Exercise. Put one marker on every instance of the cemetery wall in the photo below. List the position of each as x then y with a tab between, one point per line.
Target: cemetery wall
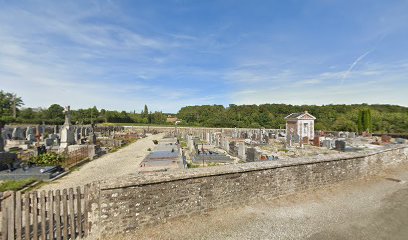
131	203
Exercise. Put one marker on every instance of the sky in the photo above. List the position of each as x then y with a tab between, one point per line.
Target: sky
121	55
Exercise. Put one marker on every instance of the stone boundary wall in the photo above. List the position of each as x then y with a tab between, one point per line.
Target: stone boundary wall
131	203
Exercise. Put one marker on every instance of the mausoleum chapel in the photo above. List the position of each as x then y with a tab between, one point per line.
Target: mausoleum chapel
300	125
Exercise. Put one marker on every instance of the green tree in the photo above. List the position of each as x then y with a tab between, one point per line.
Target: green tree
55	111
364	120
145	111
6	103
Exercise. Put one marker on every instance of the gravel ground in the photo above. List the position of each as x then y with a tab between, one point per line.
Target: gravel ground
112	165
375	208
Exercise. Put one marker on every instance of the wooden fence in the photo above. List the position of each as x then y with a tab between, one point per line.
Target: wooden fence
45	215
76	156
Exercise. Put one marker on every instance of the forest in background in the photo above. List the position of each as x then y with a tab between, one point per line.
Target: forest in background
340	117
54	114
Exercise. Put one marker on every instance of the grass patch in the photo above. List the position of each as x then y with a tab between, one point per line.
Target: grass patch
212	164
15	185
192	165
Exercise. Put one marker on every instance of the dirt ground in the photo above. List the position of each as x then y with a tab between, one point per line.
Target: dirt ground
375	208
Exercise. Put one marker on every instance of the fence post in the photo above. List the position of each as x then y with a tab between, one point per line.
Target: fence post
91	208
35	215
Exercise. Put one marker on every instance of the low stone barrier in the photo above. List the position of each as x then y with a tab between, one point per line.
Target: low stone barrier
131	203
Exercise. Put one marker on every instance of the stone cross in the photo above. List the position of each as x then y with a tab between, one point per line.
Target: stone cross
67	112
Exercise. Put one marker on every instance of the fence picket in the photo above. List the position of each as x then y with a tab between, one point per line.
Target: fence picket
50	215
18	219
27	228
4	220
43	216
79	212
85	226
72	212
35	215
58	213
65	214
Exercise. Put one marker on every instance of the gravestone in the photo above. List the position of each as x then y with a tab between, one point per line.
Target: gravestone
49	142
56	129
250	154
326	144
316	141
77	135
385	139
226	145
17	134
340	145
30	137
92	138
241	150
67	133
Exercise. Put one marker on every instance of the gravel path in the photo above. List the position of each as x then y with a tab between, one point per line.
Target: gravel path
375	208
123	162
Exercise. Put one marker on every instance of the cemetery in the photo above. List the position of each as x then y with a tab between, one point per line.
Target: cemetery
164	156
158	167
46	152
299	139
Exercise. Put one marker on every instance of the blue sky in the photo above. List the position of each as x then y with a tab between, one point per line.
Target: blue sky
169	54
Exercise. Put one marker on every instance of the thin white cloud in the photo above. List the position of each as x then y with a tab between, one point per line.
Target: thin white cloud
320	89
353	65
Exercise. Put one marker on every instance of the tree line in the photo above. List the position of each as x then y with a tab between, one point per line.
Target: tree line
54	114
378	118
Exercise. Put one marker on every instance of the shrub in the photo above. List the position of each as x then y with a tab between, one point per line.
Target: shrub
47	159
